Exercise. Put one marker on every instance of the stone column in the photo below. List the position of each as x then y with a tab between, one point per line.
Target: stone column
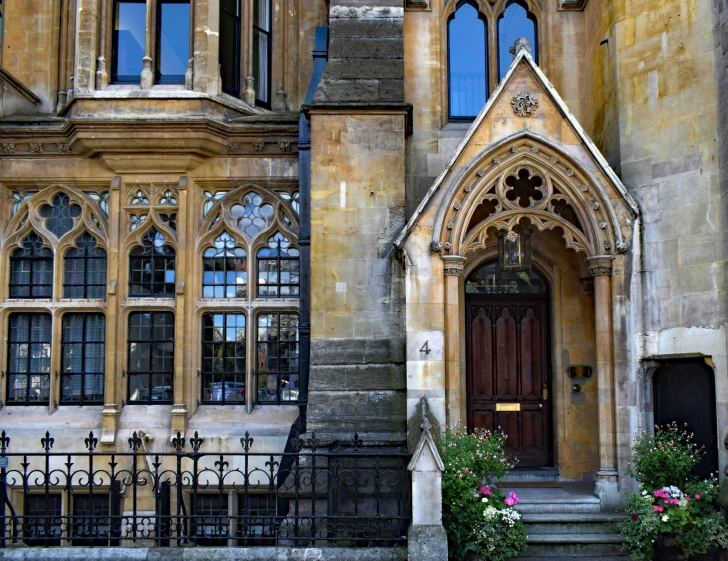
606	488
455	407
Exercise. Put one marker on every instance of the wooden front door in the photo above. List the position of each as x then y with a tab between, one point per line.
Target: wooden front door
508	382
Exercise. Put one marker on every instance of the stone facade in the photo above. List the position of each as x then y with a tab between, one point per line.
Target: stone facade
623	118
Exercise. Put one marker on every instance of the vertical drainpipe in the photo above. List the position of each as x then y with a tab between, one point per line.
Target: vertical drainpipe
320	55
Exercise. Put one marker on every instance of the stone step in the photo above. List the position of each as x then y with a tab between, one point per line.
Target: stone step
530	474
573	523
576	545
526	557
582	504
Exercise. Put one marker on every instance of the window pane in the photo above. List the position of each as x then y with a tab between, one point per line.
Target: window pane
42	525
467	63
223	358
174	41
82	359
150	357
29	359
129	41
514	24
230	46
277	357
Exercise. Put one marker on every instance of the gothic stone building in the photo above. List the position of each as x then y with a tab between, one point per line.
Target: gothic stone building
231	216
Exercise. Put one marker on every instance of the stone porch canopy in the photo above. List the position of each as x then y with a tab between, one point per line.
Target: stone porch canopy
525	124
525	157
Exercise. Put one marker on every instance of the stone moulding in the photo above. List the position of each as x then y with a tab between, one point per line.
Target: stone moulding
572	5
525	104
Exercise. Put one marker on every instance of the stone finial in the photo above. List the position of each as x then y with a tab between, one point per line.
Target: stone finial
521	43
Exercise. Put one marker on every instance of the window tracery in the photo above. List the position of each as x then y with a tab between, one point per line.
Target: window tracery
224	267
524	180
278	268
60	215
84	269
152	267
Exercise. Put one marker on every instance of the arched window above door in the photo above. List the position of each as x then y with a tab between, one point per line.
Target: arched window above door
488	279
515	22
467	62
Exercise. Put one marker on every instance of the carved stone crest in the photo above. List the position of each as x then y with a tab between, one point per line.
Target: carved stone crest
525	104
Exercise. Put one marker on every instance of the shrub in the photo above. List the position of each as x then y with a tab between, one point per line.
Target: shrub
670	502
478	518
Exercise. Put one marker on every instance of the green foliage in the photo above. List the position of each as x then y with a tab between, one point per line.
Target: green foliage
671	504
666	458
472	462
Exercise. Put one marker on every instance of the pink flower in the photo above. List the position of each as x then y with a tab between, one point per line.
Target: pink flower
657	508
509	501
485	490
514	499
698	495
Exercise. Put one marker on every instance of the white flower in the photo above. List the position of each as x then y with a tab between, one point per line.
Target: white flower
644	491
485	499
665	518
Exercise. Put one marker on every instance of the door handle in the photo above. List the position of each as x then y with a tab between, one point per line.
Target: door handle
545	392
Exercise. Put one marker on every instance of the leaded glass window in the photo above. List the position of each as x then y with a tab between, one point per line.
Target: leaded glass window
84	269
31	269
253	216
60	214
224	269
150	357
42	523
212	522
223	358
277	357
278	268
91	524
82	359
152	267
258	520
29	359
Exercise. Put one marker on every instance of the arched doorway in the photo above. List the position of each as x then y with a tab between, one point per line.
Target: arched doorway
507	345
685	393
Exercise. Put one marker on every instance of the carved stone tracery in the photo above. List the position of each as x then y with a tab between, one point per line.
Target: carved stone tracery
529	180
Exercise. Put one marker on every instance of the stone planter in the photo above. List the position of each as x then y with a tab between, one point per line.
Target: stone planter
665	550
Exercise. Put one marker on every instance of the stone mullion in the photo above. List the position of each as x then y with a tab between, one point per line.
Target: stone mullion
102	73
182	372
601	268
206	74
147	77
88	14
246	57
455	407
113	381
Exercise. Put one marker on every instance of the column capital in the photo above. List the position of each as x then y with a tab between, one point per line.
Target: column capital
454	265
600	265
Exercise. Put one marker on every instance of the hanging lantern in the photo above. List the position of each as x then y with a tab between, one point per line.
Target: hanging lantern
514	249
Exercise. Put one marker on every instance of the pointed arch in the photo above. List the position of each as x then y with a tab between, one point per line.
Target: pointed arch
31	214
597	229
221	217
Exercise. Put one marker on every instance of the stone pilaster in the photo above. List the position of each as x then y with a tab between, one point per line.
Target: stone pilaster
607	487
456	409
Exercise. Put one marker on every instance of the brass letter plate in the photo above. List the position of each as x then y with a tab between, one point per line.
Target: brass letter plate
507	406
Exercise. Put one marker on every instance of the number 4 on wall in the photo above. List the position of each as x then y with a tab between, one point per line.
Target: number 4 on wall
426	348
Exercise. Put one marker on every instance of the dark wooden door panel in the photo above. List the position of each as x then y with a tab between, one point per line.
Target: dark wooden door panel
507	364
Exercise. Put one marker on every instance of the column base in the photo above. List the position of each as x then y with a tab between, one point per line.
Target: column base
426	543
607	489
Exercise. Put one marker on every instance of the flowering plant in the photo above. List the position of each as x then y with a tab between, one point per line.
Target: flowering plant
670	503
478	518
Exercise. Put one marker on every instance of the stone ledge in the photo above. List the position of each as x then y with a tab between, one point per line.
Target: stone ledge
203	554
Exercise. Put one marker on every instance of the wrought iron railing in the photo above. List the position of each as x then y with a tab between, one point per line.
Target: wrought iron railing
345	494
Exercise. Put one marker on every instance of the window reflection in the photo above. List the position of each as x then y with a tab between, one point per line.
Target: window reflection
128	40
230	46
514	23
261	50
467	63
173	41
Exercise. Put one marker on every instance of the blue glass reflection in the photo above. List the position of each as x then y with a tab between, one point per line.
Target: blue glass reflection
513	25
174	42
129	36
467	63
